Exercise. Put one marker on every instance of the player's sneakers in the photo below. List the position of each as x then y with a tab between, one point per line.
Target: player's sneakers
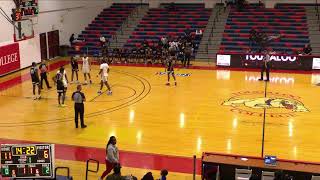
109	93
77	82
99	92
63	105
39	97
71	82
85	83
34	97
175	83
168	84
90	82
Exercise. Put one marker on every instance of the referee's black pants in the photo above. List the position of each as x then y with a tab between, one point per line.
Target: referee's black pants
267	69
44	77
78	109
187	58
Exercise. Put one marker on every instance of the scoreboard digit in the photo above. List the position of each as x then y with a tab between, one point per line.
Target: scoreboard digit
27	160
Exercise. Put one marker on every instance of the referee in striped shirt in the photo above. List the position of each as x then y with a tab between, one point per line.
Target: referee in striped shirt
78	98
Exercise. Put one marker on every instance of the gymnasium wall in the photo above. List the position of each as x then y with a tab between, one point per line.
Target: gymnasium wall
68	17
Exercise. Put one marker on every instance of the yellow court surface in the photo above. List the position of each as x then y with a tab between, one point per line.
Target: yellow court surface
208	111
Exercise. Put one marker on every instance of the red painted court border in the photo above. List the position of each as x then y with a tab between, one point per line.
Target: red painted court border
131	159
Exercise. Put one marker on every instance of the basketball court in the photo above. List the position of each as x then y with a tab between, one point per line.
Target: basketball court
211	110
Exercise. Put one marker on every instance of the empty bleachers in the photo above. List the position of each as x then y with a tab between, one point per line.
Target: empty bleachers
105	24
289	21
164	21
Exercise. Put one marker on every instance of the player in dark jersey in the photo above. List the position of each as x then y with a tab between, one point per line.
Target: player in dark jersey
34	73
170	70
61	90
75	69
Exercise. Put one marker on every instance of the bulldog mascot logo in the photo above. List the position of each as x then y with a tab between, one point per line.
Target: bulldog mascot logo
260	103
277	104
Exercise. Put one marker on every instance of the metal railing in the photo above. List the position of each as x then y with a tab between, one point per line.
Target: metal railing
317	13
215	20
66	168
89	170
194	166
132	16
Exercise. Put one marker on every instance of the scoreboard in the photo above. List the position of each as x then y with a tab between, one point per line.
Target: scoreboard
27	160
25	9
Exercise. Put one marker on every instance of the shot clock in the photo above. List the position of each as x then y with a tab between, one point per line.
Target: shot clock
27	160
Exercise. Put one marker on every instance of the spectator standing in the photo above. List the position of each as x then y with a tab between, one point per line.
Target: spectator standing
307	49
112	158
43	74
164	41
78	97
102	41
188	54
71	39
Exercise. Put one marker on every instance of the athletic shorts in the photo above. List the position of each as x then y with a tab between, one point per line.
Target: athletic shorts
35	81
60	89
170	72
86	70
104	78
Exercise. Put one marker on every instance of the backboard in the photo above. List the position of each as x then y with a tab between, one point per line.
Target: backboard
23	30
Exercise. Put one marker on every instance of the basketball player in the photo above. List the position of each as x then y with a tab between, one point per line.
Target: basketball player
170	70
75	69
35	81
62	84
266	65
86	69
104	73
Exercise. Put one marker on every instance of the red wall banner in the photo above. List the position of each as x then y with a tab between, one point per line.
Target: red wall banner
9	58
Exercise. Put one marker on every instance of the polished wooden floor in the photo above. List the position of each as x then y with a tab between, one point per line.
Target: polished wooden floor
209	110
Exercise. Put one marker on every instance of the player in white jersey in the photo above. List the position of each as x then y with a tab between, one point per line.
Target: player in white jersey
86	69
104	73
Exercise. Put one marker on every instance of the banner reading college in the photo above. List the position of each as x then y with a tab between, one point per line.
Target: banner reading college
9	58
